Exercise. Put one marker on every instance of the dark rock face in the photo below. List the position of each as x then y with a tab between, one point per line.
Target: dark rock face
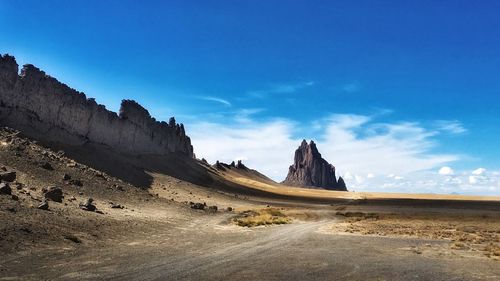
312	171
46	109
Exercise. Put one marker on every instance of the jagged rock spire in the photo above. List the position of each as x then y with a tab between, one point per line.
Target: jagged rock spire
311	170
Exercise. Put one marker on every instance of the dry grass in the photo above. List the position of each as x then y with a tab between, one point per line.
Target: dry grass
476	234
268	216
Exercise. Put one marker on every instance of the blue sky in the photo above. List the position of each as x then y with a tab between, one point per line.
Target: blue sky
419	76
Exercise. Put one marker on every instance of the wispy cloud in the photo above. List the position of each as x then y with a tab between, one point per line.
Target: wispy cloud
450	126
215	99
282	88
351	87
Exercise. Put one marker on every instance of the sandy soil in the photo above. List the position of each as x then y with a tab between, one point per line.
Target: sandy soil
157	236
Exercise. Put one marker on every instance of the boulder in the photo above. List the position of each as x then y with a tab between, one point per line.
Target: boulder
5	188
47	166
88	206
8	176
44	205
54	193
198	206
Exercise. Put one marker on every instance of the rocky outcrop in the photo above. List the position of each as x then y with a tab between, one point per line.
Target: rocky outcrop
312	171
44	108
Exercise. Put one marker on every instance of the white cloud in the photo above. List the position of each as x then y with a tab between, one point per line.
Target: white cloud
446	171
473	180
355	144
450	126
216	99
479	171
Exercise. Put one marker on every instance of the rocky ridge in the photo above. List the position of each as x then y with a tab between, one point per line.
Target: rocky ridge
44	108
312	171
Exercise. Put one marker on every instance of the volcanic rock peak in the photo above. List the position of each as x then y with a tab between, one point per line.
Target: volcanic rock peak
311	170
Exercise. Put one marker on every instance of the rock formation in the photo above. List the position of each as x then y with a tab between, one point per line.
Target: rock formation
46	109
312	171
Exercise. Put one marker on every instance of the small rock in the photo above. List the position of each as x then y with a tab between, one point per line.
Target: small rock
72	198
88	206
47	166
76	182
72	238
213	208
71	165
5	188
66	177
198	206
116	206
80	193
54	193
44	205
8	176
15	197
229	209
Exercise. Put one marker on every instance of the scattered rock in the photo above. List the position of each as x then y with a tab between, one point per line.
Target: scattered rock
8	176
25	230
88	206
44	205
5	188
47	166
198	206
116	206
76	182
54	193
72	238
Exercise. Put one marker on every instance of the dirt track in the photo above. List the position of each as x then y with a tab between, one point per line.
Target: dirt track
207	248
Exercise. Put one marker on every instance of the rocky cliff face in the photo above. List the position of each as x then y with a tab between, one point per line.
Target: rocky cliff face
44	108
312	171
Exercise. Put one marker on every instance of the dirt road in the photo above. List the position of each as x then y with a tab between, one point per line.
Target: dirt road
207	248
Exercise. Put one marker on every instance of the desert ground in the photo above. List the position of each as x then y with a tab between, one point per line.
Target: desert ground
145	226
